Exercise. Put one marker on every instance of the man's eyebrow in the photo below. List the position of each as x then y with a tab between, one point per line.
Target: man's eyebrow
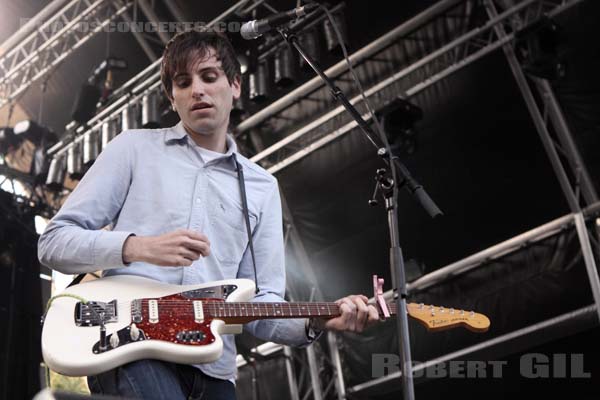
211	68
201	70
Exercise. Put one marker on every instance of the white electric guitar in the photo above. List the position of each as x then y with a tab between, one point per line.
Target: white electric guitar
99	325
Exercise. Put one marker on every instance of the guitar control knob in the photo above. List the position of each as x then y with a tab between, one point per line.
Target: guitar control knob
114	340
134	332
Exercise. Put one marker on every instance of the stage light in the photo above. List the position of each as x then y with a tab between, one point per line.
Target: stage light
91	147
37	134
244	63
56	174
129	117
103	75
538	49
39	164
75	161
259	82
331	38
150	110
110	129
84	106
286	71
398	120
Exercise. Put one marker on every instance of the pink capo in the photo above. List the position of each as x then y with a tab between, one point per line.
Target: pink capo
378	294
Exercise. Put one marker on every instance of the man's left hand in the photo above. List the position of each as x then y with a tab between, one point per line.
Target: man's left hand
356	315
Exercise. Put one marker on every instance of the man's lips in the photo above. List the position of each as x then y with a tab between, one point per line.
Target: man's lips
199	106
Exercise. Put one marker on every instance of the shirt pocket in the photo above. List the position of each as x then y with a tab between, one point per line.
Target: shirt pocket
229	238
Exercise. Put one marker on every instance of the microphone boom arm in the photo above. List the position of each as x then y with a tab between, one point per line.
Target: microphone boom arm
405	178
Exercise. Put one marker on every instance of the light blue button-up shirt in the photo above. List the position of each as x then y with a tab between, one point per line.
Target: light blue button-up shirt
150	182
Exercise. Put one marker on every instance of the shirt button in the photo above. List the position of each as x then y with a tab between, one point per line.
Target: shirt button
198	200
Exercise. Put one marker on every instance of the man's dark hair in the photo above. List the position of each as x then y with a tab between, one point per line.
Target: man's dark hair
186	47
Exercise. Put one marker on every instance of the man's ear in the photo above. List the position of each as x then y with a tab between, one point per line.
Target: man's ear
236	87
170	97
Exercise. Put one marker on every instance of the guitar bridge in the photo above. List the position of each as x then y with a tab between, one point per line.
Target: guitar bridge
91	313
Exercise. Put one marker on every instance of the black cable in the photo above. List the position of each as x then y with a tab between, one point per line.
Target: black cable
378	126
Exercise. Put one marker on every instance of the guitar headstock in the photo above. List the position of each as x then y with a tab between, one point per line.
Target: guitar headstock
437	318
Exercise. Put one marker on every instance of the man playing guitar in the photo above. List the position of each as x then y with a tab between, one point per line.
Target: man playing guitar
181	203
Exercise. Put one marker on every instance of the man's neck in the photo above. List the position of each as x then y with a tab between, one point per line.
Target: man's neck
215	142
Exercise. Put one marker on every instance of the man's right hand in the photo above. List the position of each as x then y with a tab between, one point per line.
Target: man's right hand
179	248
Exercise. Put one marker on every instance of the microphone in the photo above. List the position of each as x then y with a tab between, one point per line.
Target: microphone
253	29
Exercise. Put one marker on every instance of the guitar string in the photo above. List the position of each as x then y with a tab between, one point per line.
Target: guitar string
250	305
209	304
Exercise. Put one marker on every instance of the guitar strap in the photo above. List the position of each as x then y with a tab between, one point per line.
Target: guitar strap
77	279
240	172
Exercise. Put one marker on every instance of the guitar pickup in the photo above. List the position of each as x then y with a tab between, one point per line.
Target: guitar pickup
93	313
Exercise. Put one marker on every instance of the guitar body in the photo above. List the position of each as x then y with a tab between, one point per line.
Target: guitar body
146	322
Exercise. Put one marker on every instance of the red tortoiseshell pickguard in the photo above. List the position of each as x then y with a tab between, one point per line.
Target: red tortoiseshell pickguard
176	314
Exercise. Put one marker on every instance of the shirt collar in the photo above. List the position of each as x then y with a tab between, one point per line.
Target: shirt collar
178	132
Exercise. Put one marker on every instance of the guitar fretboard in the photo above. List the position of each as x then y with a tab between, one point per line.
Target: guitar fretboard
238	312
276	310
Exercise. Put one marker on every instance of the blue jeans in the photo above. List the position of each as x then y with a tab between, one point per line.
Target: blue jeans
152	379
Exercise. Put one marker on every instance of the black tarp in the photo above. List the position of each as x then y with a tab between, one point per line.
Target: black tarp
20	302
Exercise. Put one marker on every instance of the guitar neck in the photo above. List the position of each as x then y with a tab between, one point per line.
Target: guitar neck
245	312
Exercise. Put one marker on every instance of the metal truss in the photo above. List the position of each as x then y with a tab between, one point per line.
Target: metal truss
466	40
146	81
50	43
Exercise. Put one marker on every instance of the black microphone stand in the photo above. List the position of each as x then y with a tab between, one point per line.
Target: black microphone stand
389	189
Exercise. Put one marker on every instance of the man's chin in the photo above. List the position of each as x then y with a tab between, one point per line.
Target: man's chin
200	129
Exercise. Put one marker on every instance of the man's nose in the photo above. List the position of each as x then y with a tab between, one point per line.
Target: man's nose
198	87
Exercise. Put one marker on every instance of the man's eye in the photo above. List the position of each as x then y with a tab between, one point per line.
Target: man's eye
210	77
182	82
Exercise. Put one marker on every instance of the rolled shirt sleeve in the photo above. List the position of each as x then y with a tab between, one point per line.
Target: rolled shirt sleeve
74	241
